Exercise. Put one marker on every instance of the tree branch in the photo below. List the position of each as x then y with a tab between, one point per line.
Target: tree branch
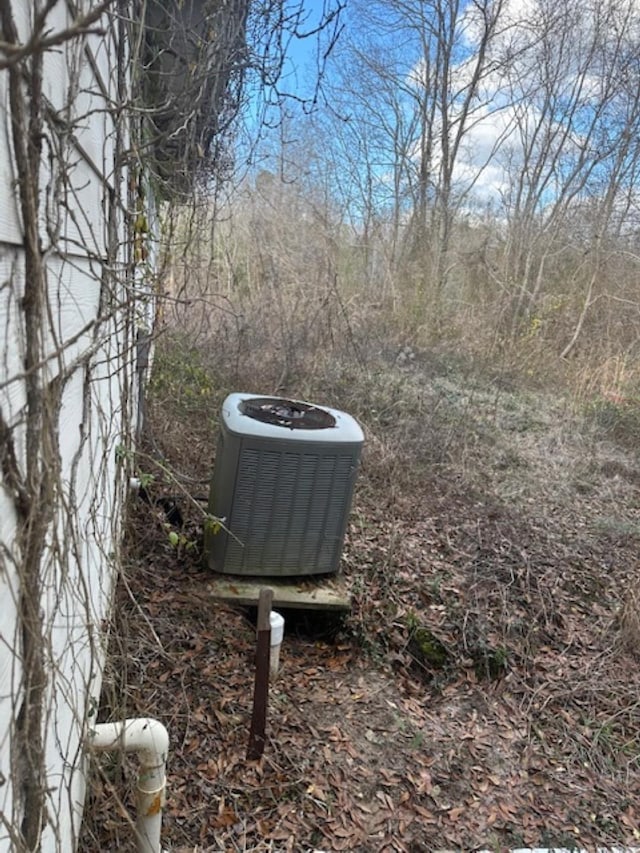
11	470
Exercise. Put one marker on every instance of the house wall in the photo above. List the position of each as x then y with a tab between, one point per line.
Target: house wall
89	333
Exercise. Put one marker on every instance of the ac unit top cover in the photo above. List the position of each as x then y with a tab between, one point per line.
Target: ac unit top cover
291	420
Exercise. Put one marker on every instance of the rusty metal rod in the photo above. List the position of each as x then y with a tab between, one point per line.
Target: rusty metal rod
261	685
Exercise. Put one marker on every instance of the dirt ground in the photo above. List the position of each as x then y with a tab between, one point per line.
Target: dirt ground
483	693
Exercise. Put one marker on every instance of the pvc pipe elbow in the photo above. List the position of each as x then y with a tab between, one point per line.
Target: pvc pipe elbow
149	739
145	736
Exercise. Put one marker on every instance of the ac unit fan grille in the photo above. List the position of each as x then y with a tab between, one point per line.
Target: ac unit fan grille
289	511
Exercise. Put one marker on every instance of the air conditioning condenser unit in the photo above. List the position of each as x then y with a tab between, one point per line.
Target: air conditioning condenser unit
282	486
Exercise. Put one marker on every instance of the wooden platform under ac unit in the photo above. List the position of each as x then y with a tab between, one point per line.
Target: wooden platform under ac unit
313	593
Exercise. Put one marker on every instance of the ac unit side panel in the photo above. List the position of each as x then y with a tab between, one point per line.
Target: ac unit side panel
221	496
289	508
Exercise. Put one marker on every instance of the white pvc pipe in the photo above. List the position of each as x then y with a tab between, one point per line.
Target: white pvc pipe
276	621
150	740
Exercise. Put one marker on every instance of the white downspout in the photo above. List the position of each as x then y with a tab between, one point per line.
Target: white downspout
150	740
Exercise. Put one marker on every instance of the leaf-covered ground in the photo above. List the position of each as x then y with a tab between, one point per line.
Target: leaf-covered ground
484	691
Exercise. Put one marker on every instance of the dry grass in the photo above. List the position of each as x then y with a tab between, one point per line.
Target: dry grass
629	624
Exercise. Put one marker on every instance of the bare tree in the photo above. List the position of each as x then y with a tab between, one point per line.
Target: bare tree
418	72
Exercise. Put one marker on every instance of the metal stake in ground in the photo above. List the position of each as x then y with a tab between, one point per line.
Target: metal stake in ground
261	686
